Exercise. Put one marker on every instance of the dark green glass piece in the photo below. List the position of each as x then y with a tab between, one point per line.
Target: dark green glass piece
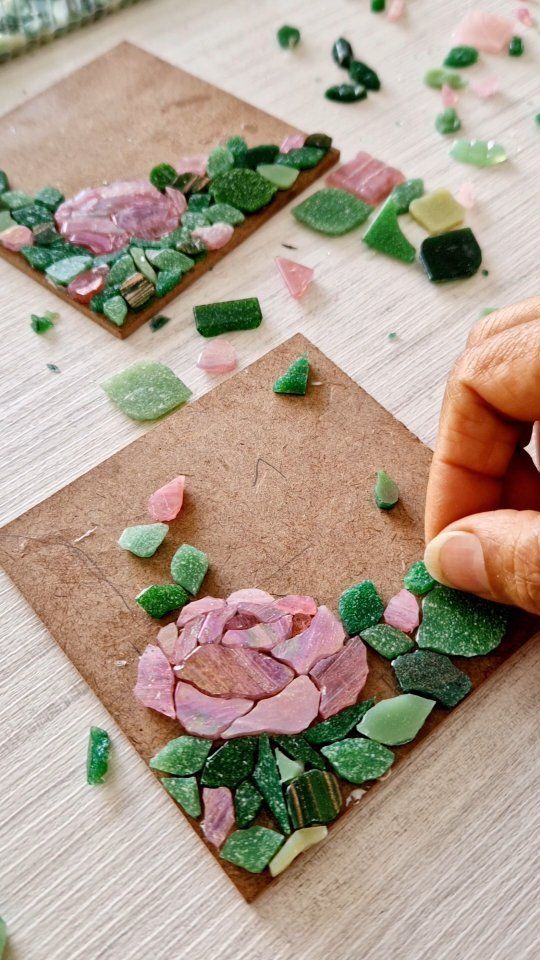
45	234
252	849
418	580
199	201
182	756
360	607
338	726
461	57
163	175
185	791
295	379
231	763
162	598
31	215
38	257
244	189
460	624
377	6
451	256
360	73
238	148
346	93
516	47
358	760
42	324
386	640
432	674
342	52
156	323
447	121
319	140
298	748
386	491
265	153
313	797
288	37
167	280
53	368
212	319
301	158
266	776
50	197
247	803
4	182
97	759
14	199
404	194
332	211
384	234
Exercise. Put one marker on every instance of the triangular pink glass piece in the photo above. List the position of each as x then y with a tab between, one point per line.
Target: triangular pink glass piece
297	277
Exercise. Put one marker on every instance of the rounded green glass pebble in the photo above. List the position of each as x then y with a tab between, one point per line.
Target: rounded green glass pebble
220	160
332	211
460	624
358	760
397	720
346	93
146	390
516	47
162	598
244	189
387	641
461	57
42	324
384	235
158	322
360	607
182	756
447	121
189	567
115	309
282	177
144	539
288	37
377	6
439	78
479	153
224	213
301	158
386	491
360	73
185	791
65	270
252	849
163	175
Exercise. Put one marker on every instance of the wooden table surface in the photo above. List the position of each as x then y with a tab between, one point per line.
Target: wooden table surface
442	863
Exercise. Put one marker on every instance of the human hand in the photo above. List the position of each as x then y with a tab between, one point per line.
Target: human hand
483	498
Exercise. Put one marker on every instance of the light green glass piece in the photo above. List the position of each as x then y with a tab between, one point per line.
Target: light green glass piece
439	78
447	121
115	309
3	937
336	727
224	213
189	567
120	270
185	791
220	160
332	211
142	264
14	199
6	221
192	219
297	843
437	212
387	641
460	624
288	769
386	491
170	260
146	390
182	757
384	235
143	540
252	849
282	177
64	271
358	760
404	193
479	153
397	720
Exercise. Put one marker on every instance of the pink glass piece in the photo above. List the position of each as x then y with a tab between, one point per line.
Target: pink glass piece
194	164
297	277
241	621
341	678
323	637
177	199
265	613
465	195
187	640
403	612
87	284
250	595
166	503
197	607
525	17
155	681
234	672
16	237
214	236
396	10
205	716
218	356
487	32
166	639
295	604
218	814
98	235
263	636
289	712
485	88
293	141
449	97
366	178
214	624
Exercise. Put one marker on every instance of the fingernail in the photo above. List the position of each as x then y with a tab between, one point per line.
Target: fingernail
457	560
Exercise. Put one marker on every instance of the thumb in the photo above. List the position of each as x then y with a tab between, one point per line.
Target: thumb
496	555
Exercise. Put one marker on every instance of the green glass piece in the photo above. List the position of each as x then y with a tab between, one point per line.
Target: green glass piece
346	93
282	177
299	841
97	758
166	259
4	182
342	53
437	212
163	175
295	379
432	675
7	221
516	47
45	234
167	280
451	256
14	199
109	258
53	368
288	37
360	73
266	776
193	219
537	119
182	756
220	160
301	158
386	491
185	243
162	598
384	234
231	764
439	78
360	607
44	323
224	213
139	258
244	189
338	726
358	760
247	803
447	121
397	720
189	567
418	580
50	197
65	270
460	624
388	641
461	57
332	211
31	215
377	6
146	390
144	539
252	849
185	791
98	302
297	746
320	140
120	270
199	201
115	309
3	925
314	797
265	153
156	323
479	153
38	257
212	319
288	769
238	148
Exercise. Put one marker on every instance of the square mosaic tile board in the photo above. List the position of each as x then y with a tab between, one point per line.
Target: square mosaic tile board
279	495
116	118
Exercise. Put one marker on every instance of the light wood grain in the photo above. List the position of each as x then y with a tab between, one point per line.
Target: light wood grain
447	866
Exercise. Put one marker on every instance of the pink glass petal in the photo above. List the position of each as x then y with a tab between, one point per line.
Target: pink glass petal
396	10
218	356
289	712
263	636
194	164
366	178
341	678
295	604
485	88
265	613
403	612
234	672
241	621
323	637
525	17
87	284
187	640
155	681
214	624
197	607
487	32
204	716
250	595
177	199
218	815
166	639
166	503
215	236
449	97
465	195
293	141
297	277
16	237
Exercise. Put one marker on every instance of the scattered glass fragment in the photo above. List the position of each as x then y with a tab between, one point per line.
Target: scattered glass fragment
480	153
115	309
212	319
218	815
438	78
97	761
144	539
346	93
461	57
358	760
460	624
378	6
288	37
332	211
159	321
166	503
252	849
281	176
288	769
385	235
360	607
155	681
182	756
44	323
366	177
397	720
388	641
447	121
296	844
146	390
405	193
418	580
160	599
395	10
266	776
299	748
218	356
198	713
162	176
516	47
525	16
303	158
386	491
219	161
53	368
437	211
487	32
360	73
342	52
287	712
485	87
185	791
338	726
295	379
230	764
224	213
465	195
215	236
432	675
189	567
244	189
537	119
293	141
247	803
402	612
449	97
296	276
392	336
451	256
234	672
313	797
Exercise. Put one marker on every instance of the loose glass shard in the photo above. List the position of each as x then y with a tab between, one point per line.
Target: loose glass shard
160	599
460	57
189	567
146	390
386	491
97	761
143	540
332	211
451	256
418	580
295	379
288	37
479	153
212	319
447	121
437	211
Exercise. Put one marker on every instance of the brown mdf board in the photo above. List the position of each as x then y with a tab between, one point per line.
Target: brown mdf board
115	119
279	495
